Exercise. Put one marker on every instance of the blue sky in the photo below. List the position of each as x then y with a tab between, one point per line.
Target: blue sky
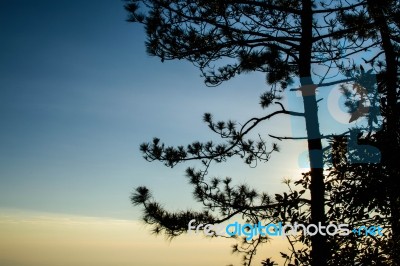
78	96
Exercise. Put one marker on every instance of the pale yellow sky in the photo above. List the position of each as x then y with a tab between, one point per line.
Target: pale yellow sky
44	239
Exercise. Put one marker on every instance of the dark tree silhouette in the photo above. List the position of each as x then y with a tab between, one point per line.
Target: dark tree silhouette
385	15
368	194
376	188
283	39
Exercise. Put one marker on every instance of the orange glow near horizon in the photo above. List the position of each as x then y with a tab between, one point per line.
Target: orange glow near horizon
60	240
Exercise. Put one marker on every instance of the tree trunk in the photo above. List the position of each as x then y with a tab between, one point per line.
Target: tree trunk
391	139
319	252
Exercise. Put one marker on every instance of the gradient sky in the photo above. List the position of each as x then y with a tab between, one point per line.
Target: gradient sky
78	95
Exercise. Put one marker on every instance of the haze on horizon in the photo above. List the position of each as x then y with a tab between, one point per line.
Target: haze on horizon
78	97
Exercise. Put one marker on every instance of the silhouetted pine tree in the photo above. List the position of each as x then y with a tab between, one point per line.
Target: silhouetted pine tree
285	40
377	188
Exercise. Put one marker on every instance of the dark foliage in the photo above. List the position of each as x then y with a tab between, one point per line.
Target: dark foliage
285	40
